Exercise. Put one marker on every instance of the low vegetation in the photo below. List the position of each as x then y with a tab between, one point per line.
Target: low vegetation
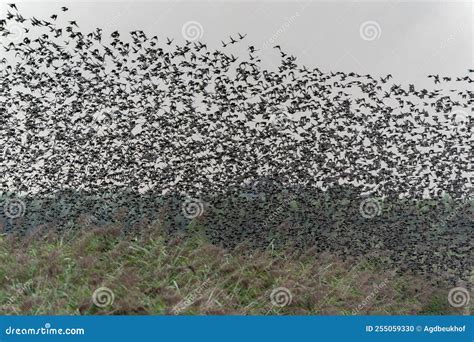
154	274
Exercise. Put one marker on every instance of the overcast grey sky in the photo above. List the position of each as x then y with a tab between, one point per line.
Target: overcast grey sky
408	39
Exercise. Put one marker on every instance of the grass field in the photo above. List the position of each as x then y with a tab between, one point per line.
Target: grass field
100	271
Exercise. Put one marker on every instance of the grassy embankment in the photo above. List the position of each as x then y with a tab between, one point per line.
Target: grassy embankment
150	275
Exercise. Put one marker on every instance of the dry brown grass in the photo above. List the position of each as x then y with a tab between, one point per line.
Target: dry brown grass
148	275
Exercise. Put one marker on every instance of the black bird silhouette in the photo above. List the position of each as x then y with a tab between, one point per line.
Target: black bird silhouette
153	122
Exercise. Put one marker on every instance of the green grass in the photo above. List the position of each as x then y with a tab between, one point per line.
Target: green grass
57	275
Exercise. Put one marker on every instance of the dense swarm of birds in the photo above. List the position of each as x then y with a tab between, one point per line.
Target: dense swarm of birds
88	115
